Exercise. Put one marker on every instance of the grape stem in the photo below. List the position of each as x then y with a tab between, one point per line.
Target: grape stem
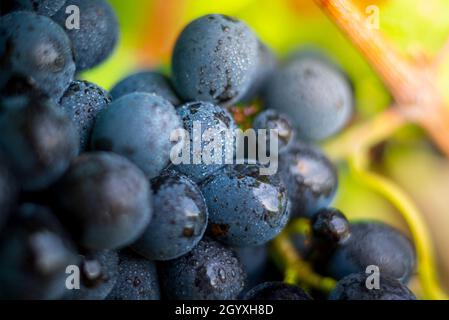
298	271
360	137
413	87
413	217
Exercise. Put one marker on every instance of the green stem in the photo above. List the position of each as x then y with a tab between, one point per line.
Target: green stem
296	269
364	135
413	217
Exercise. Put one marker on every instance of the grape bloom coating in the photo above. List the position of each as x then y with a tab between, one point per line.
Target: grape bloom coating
215	59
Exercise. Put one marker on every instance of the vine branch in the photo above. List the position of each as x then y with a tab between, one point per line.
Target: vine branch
442	56
364	135
413	88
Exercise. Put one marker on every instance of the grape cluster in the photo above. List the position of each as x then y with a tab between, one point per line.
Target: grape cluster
88	181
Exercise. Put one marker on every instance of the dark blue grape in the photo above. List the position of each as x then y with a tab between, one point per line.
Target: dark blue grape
310	178
179	219
8	191
99	272
146	81
266	67
97	35
209	117
209	272
330	225
374	244
34	46
314	94
82	102
137	280
258	266
138	126
276	291
105	200
17	89
34	255
39	141
272	120
255	263
310	52
353	287
42	7
330	229
245	207
215	59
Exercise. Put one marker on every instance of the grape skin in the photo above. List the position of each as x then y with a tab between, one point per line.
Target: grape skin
316	96
353	287
276	291
138	126
372	243
34	46
330	225
215	59
98	34
42	7
310	178
209	272
8	191
39	141
267	65
105	200
137	279
95	286
211	117
245	208
179	219
146	81
34	254
255	262
83	101
272	120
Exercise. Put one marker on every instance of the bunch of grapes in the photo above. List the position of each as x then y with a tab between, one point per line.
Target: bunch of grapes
86	181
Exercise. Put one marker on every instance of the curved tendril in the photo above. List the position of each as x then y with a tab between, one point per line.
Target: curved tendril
424	247
296	269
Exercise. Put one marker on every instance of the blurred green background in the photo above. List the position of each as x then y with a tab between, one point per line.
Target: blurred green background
419	28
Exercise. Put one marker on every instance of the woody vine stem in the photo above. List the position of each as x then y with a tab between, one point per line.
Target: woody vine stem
417	99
